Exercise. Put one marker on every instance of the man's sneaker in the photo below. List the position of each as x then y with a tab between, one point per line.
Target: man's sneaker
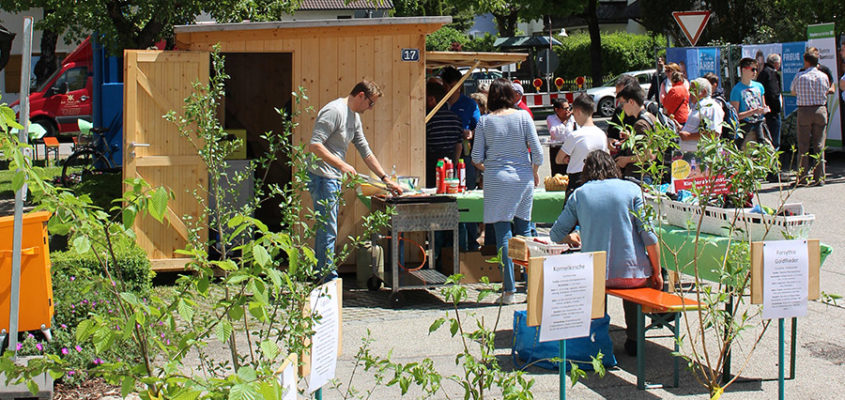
507	298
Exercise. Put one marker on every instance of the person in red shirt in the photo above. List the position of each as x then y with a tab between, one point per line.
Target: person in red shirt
676	102
519	100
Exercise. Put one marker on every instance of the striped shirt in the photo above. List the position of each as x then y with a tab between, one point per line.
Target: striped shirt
508	146
443	130
810	87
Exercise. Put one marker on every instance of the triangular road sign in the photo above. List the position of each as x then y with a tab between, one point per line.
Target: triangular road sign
692	23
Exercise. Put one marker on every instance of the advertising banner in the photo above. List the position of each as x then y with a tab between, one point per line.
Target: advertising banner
695	61
792	62
688	172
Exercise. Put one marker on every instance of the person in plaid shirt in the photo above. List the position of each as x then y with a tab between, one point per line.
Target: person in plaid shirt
810	87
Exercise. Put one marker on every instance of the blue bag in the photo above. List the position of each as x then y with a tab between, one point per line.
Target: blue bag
527	347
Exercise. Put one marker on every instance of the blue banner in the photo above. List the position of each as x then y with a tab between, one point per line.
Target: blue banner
792	62
695	61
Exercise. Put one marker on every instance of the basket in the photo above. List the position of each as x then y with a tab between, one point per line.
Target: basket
550	187
717	220
523	248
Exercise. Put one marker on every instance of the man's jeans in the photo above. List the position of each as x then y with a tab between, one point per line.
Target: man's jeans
324	193
503	234
773	122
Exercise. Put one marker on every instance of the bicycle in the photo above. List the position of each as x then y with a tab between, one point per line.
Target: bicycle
92	155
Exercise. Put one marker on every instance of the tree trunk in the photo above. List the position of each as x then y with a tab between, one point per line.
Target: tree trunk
595	41
48	63
506	23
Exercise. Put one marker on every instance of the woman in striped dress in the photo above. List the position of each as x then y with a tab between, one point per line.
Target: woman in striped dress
508	150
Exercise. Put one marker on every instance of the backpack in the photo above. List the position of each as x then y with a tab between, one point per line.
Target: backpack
662	118
731	118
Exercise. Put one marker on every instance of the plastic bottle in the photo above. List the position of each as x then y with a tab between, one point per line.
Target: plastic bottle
462	175
441	177
450	169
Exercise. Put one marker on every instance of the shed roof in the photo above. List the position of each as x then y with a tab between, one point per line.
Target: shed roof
524	42
437	59
342	5
317	23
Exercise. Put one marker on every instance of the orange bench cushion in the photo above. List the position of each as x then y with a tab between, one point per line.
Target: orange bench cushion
654	300
51	142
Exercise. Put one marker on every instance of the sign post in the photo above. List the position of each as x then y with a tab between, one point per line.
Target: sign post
692	23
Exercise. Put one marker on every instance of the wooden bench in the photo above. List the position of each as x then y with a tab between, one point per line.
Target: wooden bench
666	309
51	145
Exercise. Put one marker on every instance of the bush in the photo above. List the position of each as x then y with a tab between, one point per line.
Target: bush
620	52
444	38
101	188
132	266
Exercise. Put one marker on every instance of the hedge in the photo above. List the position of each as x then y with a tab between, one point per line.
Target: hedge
620	52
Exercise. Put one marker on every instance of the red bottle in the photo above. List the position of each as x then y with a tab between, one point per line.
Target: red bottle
462	175
450	169
441	177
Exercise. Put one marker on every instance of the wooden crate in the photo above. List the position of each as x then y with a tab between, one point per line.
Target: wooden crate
474	266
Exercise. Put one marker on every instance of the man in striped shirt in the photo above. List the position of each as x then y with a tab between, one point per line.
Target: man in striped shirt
810	87
443	132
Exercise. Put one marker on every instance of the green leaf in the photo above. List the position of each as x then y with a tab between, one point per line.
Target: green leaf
203	285
32	386
129	214
236	313
223	330
157	206
18	179
270	349
81	244
188	395
262	257
84	330
127	386
243	391
454	327
247	374
185	310
436	325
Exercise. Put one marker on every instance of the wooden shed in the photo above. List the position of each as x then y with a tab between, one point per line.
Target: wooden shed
266	62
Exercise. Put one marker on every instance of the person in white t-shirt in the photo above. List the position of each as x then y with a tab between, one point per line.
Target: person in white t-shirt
561	124
581	142
705	118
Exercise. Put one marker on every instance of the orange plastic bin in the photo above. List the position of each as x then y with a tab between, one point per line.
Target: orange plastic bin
36	294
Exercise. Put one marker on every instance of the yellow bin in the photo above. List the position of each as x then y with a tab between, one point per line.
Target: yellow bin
36	293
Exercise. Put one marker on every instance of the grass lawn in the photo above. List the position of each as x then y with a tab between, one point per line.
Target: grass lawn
6	190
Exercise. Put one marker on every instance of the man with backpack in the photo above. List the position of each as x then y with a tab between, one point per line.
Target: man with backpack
731	119
705	118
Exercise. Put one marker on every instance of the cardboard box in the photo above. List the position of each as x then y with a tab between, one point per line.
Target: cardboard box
474	265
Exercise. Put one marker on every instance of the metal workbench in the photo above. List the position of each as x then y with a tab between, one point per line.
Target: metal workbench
414	214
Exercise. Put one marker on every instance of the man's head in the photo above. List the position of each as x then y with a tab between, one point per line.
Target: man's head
434	91
811	57
582	108
364	96
562	108
625	80
700	88
631	98
660	64
451	76
774	61
714	81
747	68
519	92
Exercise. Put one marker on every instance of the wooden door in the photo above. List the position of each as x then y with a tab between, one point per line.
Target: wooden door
157	82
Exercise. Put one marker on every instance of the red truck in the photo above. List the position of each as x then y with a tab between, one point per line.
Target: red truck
66	96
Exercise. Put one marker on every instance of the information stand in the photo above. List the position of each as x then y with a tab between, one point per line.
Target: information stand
784	277
558	281
319	364
288	378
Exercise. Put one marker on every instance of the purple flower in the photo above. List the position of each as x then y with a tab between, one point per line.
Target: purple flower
64	326
39	346
85	301
72	278
78	348
72	306
168	342
19	346
71	372
65	350
93	303
98	361
29	335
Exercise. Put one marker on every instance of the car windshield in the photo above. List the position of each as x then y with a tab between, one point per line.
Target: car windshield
43	86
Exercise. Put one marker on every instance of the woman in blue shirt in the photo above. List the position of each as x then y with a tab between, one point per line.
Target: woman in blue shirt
606	208
508	150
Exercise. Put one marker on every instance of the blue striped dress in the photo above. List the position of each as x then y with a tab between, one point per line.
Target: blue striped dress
501	144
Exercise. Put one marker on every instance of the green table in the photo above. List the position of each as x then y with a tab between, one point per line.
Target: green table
711	251
547	205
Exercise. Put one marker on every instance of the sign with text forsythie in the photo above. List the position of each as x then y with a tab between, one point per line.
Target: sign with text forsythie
792	270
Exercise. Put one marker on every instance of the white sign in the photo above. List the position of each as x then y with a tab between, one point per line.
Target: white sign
785	278
287	380
567	296
326	336
692	23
